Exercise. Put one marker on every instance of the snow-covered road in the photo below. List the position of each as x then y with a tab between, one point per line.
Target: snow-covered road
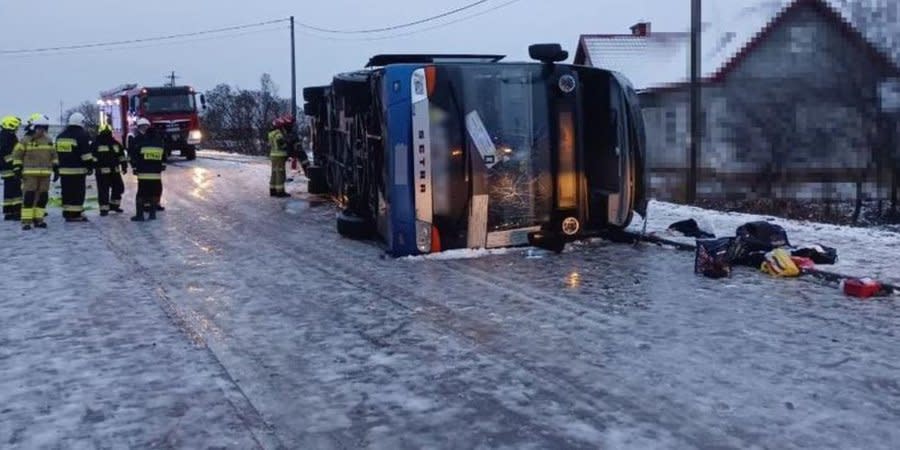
241	321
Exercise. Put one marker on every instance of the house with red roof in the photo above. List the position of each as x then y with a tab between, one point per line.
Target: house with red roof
793	104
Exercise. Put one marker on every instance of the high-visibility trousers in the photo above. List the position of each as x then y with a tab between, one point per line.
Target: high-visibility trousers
12	195
279	174
73	192
110	188
34	199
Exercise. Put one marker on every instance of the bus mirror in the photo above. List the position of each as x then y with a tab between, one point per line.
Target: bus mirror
547	53
202	101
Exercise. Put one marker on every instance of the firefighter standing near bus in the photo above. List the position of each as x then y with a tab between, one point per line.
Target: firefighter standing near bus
75	163
12	183
35	159
146	153
109	156
284	143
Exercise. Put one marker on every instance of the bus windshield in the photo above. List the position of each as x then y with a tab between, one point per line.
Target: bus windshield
496	117
169	103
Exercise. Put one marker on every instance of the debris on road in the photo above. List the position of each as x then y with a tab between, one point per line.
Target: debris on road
691	228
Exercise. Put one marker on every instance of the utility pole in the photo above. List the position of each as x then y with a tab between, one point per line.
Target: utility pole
62	120
696	104
293	73
171	78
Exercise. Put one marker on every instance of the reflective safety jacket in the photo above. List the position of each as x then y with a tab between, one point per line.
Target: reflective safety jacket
74	148
108	154
277	144
283	145
147	154
36	156
8	142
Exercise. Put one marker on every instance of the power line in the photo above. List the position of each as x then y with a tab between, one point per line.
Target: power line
138	41
97	51
398	26
414	32
179	38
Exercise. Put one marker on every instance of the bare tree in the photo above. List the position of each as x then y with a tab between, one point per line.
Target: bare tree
239	119
91	113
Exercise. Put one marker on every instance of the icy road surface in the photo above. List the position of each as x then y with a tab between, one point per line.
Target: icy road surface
240	321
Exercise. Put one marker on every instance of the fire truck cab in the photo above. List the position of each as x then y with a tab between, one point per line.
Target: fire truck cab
171	109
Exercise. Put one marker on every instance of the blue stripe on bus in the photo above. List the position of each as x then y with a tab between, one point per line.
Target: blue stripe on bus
396	96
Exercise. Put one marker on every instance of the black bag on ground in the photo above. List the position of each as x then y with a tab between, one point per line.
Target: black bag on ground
819	254
691	228
712	257
754	240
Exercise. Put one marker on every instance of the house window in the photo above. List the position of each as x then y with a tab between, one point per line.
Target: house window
802	37
671	127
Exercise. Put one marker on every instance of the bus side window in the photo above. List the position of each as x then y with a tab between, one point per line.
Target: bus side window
133	104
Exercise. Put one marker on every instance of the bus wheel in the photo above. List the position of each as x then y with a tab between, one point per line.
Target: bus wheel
190	154
317	183
352	226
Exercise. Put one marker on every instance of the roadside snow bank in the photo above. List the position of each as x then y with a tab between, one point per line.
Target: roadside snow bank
468	253
861	251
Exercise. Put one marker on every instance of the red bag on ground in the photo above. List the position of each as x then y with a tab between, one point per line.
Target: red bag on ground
862	287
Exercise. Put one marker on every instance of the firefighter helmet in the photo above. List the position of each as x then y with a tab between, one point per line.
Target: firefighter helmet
76	119
11	123
35	117
39	120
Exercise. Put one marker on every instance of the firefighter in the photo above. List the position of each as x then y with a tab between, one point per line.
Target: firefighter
109	157
29	126
34	159
146	154
75	163
12	184
283	143
278	155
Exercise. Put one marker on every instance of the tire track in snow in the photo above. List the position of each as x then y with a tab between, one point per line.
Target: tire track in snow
187	320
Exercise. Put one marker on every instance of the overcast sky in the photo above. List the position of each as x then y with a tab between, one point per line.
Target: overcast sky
39	83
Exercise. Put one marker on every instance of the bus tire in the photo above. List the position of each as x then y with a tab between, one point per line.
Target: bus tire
190	154
317	183
352	226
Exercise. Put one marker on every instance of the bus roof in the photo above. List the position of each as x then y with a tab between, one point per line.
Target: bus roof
386	59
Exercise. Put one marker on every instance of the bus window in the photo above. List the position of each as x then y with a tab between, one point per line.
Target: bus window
511	102
490	140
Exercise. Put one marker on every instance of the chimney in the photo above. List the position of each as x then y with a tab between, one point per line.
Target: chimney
641	29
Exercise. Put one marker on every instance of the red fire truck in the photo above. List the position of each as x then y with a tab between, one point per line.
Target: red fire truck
171	109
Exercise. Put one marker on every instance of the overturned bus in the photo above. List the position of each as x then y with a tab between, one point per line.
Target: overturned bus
437	152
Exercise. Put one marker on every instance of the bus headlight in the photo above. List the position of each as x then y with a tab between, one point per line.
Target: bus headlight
423	236
194	137
567	83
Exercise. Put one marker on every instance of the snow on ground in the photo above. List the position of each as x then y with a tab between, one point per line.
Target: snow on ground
861	251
